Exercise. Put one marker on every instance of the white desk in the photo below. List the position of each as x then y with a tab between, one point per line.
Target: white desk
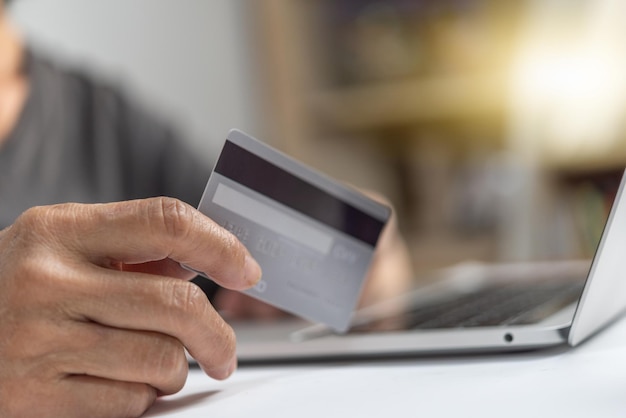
589	382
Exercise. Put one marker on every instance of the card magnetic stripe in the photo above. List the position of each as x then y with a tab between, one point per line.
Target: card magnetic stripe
258	174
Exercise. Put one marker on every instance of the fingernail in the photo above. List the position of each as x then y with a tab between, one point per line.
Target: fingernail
252	270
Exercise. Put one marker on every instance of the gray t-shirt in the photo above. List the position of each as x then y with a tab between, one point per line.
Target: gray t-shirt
81	140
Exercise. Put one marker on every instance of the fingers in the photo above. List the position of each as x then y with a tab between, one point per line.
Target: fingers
391	270
127	356
174	307
149	230
79	397
88	396
69	347
87	370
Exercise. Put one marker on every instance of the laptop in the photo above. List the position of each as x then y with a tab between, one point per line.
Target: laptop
468	308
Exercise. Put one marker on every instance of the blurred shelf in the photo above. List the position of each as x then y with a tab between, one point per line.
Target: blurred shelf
446	99
588	158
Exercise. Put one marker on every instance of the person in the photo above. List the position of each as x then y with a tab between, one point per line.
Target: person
97	204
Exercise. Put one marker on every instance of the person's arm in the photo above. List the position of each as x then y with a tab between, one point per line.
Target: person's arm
95	312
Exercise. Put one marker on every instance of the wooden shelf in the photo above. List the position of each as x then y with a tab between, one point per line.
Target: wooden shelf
588	158
414	101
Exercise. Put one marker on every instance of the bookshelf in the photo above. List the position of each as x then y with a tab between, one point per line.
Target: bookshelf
418	93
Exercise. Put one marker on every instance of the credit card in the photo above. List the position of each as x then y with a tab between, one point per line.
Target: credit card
313	236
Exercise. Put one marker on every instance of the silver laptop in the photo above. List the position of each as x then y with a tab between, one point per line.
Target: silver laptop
469	308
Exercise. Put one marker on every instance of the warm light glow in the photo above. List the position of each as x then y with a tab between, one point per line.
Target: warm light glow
568	76
571	89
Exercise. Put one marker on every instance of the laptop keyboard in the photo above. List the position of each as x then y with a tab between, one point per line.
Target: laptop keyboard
514	304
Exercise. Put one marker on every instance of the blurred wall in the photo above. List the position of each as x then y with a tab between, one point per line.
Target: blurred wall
187	59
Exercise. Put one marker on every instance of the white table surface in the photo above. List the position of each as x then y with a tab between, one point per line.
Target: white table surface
588	381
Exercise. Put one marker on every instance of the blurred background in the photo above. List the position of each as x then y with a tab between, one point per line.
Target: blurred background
495	127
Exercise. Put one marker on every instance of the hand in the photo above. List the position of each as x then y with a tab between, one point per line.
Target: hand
391	272
94	316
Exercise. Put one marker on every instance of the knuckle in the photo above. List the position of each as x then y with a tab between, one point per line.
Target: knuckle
191	308
222	342
34	277
231	247
32	215
143	396
176	216
51	226
230	341
186	299
171	354
171	363
39	219
228	252
226	343
27	225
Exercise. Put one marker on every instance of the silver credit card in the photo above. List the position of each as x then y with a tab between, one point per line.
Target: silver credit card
313	236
